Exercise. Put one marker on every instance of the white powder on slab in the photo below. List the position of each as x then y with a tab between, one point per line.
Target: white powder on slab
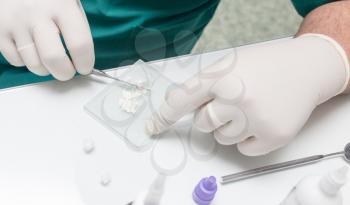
132	98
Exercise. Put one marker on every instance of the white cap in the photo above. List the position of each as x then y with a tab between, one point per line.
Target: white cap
154	194
333	181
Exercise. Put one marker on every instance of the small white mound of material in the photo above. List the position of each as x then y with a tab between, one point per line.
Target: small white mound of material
132	98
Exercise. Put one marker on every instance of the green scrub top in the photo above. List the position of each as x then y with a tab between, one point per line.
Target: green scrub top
127	30
306	6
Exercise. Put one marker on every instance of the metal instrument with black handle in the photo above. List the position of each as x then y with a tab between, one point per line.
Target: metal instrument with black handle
284	165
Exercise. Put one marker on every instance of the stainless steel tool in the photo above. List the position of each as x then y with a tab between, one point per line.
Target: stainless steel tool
106	75
284	165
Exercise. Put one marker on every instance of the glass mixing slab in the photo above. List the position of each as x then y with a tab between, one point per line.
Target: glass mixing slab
129	123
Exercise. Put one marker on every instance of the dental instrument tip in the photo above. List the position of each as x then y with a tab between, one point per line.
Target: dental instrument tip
102	73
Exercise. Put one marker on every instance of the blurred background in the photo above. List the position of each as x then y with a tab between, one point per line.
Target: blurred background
239	22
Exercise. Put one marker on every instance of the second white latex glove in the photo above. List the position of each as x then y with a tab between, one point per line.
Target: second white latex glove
260	96
30	35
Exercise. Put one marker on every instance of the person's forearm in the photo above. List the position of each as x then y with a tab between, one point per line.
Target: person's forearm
333	20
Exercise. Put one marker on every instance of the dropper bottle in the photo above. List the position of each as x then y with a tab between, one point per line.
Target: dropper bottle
154	194
319	190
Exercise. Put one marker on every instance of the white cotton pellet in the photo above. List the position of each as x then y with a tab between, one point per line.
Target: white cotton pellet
89	146
106	180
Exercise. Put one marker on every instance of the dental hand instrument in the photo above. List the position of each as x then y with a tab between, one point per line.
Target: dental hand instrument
284	165
106	75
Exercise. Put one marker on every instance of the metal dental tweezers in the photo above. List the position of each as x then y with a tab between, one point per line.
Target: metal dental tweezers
105	75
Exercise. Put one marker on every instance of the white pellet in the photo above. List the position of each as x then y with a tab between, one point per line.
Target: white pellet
89	146
106	179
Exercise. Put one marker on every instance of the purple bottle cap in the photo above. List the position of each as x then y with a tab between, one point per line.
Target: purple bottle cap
210	183
205	191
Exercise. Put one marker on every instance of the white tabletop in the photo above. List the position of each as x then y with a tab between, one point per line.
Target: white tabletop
43	128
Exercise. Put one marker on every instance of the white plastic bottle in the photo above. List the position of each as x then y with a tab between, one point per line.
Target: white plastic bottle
319	190
154	194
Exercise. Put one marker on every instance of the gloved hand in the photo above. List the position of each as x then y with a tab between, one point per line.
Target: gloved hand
262	96
30	35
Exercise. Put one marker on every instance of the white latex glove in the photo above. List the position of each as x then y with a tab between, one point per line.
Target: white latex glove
263	98
30	35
